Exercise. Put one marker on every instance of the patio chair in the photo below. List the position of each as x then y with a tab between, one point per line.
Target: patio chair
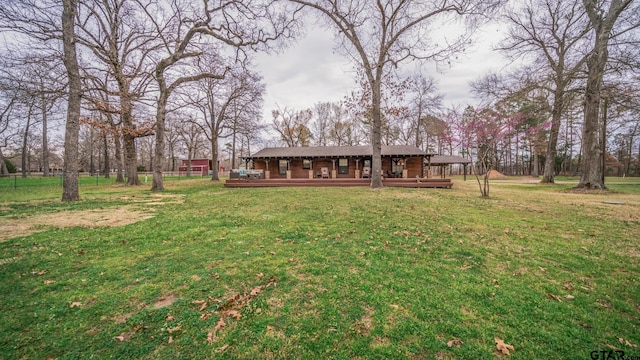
366	172
324	172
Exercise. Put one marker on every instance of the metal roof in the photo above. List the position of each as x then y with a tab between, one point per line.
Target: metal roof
336	151
448	159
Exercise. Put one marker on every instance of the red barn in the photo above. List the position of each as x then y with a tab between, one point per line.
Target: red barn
199	167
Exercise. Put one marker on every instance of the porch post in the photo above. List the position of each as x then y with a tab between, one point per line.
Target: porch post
267	172
357	172
405	172
333	171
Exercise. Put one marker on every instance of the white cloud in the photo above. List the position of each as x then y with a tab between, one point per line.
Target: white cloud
311	71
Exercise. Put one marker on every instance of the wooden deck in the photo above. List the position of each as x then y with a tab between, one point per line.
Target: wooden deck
408	183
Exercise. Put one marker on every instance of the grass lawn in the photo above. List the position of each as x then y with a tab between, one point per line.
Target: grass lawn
201	271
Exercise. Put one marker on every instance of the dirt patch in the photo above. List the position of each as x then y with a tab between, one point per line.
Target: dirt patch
165	301
495	174
14	227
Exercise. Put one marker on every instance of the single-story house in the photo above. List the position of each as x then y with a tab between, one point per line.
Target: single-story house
400	161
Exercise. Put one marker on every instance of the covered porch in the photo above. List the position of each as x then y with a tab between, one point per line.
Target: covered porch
338	162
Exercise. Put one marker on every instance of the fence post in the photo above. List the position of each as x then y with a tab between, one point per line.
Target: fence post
15	182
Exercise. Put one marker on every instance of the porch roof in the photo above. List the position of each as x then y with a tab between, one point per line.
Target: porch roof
438	160
337	151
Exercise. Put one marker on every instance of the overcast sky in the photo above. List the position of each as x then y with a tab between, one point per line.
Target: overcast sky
311	71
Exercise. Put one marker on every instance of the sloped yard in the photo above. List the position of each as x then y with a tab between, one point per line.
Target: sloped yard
204	271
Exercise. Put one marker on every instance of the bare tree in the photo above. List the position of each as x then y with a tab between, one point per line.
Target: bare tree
70	190
237	24
322	111
120	40
49	22
192	139
5	112
382	34
222	103
554	34
603	20
293	126
426	100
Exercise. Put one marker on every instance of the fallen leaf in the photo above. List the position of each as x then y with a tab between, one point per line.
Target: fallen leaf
123	337
222	348
220	324
554	297
172	330
170	339
40	273
542	269
210	337
169	317
627	343
49	282
454	342
196	277
586	326
570	297
205	316
272	252
466	267
502	346
75	303
256	290
203	304
232	313
260	275
567	286
612	347
396	307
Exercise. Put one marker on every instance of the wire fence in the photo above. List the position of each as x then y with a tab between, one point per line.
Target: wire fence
34	180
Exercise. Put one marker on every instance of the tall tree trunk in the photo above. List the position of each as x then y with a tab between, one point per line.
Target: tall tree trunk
92	166
25	137
215	176
129	137
376	137
70	191
3	166
107	167
591	147
45	142
158	184
536	166
556	116
592	151
117	144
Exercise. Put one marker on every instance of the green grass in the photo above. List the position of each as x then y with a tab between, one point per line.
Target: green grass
359	273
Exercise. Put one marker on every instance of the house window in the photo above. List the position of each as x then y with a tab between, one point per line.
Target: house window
343	166
306	164
283	166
